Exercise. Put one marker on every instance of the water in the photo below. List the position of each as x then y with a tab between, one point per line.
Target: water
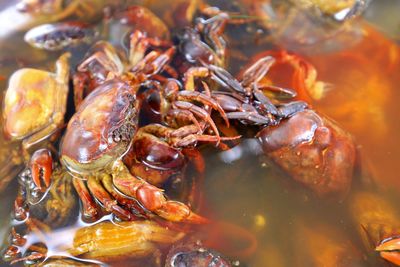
277	222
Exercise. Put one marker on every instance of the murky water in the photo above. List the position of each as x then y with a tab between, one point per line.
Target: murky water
267	218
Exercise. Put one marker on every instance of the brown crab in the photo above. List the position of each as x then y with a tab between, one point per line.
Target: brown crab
102	130
58	9
34	108
30	13
98	135
311	148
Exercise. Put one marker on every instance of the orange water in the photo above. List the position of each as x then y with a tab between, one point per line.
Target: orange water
289	224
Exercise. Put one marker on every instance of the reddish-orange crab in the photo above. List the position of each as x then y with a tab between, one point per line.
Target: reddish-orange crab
98	135
309	147
102	131
314	151
34	108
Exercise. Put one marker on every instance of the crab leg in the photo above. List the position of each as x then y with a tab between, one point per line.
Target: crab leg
88	205
110	204
257	71
238	109
183	100
205	100
186	136
151	197
213	29
33	257
292	108
197	111
191	74
182	115
224	78
276	92
139	43
130	203
137	47
21	212
183	136
154	62
253	118
265	102
192	139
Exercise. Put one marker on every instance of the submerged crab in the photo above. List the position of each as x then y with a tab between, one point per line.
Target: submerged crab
97	143
59	9
311	148
30	13
102	131
34	108
309	25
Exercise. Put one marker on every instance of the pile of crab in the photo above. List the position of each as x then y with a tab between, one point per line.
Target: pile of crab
142	112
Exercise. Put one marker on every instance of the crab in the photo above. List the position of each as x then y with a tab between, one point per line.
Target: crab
308	25
310	147
93	145
34	108
30	13
58	9
102	130
103	62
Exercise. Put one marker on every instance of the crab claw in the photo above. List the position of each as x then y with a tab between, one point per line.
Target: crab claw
41	165
151	197
390	250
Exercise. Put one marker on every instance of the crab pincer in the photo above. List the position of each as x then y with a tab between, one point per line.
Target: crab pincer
41	165
390	250
152	198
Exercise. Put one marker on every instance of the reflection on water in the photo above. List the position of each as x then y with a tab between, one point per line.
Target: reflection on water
244	188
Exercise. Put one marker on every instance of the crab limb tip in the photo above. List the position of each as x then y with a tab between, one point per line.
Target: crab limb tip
178	212
153	199
196	219
393	244
393	257
390	251
41	166
35	170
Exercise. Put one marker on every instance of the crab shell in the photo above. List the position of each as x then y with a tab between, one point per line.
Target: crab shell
102	129
36	101
314	151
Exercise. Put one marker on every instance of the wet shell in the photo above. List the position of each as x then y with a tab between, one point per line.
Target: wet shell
102	128
58	36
